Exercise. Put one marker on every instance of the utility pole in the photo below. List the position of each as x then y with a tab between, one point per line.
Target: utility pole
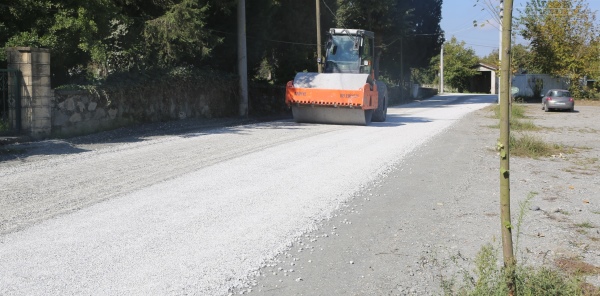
442	70
242	57
503	148
401	69
319	56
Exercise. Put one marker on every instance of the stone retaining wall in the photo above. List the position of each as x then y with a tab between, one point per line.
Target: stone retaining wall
79	112
426	92
83	112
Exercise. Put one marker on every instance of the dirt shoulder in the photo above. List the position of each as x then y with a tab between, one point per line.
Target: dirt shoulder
587	102
562	228
429	216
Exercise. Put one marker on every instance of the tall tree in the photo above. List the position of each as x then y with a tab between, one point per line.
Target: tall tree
562	35
179	35
104	36
284	42
73	30
458	64
407	32
491	59
520	59
424	37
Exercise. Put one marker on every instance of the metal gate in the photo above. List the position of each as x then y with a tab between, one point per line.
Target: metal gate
10	102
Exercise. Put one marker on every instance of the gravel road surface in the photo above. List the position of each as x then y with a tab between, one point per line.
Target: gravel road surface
272	208
431	214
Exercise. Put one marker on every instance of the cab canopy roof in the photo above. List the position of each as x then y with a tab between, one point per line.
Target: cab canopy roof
357	32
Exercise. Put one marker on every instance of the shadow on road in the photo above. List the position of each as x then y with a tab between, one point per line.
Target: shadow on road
189	128
49	147
443	101
186	128
394	120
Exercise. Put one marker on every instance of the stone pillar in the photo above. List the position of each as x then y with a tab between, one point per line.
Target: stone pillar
36	93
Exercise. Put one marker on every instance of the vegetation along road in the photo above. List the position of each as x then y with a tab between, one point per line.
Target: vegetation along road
280	208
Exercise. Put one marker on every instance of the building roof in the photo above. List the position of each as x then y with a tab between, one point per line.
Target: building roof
493	68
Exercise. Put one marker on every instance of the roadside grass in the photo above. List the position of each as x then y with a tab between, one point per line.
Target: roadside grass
574	170
587	130
516	116
586	224
524	144
517	111
519	125
527	145
489	277
586	163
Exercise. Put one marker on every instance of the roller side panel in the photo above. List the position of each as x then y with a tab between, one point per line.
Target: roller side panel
380	114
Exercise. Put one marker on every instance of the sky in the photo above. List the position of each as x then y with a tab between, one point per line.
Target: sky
458	17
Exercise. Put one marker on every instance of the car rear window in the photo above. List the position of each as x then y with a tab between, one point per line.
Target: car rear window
558	93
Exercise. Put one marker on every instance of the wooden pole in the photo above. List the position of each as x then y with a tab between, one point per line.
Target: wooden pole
506	225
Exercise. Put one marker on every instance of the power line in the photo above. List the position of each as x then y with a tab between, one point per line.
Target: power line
264	39
481	45
329	8
470	27
469	23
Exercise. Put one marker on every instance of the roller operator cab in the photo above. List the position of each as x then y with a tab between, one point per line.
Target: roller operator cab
347	92
349	51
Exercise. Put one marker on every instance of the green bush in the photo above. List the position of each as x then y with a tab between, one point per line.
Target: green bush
490	278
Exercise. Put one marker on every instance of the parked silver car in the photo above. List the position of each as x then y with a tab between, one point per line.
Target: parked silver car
558	99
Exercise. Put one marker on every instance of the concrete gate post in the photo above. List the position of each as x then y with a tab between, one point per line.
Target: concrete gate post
36	93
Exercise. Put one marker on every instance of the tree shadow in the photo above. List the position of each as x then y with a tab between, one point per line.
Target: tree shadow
190	128
48	147
445	101
394	120
187	128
